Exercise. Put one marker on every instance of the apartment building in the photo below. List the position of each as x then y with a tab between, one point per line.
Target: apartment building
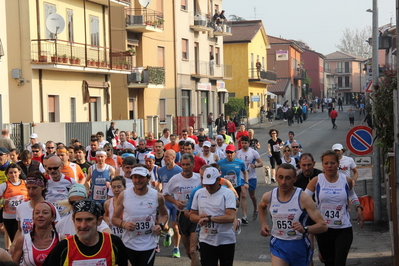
245	50
285	59
345	76
59	60
200	70
313	62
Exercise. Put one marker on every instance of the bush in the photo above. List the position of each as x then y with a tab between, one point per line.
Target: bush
234	105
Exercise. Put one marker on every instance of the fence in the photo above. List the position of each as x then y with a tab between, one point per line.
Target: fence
19	133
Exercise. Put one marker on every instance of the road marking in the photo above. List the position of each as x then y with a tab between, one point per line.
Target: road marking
262	257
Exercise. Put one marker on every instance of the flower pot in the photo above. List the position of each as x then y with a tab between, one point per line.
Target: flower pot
54	59
43	58
77	61
72	61
59	59
65	60
103	64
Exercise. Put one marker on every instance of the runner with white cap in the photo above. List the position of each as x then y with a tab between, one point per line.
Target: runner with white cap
207	155
33	139
139	206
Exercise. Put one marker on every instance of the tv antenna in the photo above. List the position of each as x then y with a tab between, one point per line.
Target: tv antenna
55	23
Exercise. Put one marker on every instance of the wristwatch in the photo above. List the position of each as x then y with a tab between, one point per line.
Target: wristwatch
162	225
306	229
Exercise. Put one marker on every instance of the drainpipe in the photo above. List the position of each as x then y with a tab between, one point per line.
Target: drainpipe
175	60
40	70
85	29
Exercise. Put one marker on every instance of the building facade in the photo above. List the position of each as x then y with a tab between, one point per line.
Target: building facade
345	76
60	59
285	59
313	62
247	51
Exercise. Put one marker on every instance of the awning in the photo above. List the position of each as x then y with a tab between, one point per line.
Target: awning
86	84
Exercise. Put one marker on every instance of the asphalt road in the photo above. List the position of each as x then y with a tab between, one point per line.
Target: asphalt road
316	136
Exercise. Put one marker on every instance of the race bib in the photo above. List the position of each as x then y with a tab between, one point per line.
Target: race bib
276	148
13	202
332	213
210	228
232	179
144	225
116	231
100	193
96	262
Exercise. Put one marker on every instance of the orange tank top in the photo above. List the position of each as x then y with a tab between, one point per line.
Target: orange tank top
105	256
14	196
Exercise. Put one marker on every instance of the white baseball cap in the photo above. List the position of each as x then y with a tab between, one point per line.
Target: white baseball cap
207	144
33	136
210	176
337	146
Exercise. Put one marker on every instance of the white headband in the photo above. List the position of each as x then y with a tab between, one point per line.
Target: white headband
101	152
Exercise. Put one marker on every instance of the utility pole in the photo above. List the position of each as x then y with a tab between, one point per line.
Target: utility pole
376	149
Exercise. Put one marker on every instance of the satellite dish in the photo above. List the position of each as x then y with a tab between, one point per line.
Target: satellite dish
145	3
55	23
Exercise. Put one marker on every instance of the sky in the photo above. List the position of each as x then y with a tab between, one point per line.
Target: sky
319	23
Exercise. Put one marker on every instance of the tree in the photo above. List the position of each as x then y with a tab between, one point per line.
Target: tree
236	18
234	105
354	42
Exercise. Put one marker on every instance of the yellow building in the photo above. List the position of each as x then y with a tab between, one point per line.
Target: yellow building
58	60
246	51
149	91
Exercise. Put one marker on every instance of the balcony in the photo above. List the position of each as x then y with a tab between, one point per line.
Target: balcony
300	74
201	22
116	3
61	55
150	77
144	20
343	87
223	29
262	77
343	70
203	69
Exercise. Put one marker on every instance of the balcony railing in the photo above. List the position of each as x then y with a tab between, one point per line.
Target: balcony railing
205	69
144	19
222	29
300	74
343	70
201	21
58	52
346	86
262	75
148	75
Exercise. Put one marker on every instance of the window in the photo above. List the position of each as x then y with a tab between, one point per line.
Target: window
94	31
53	109
161	56
263	63
159	8
259	99
162	110
210	51
185	103
327	66
250	98
217	56
183	5
70	25
343	82
131	108
73	109
184	49
48	10
94	112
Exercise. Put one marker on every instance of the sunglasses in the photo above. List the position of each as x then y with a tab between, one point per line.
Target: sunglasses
50	148
273	133
53	168
229	152
1	154
213	145
295	147
35	151
287	151
184	134
108	149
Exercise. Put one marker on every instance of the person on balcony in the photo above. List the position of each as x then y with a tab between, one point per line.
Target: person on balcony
258	67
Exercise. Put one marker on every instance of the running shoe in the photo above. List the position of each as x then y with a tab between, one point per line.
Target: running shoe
157	249
176	253
168	238
244	220
238	227
254	215
273	180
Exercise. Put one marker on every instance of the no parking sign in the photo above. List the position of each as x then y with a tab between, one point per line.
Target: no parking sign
359	140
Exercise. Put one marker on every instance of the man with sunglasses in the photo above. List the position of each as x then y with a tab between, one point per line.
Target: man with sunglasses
101	140
50	147
37	154
295	153
58	184
231	169
112	159
33	140
214	150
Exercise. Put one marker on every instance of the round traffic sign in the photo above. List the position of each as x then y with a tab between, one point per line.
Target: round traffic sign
359	140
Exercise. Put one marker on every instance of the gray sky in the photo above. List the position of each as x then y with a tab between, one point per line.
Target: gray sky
319	23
